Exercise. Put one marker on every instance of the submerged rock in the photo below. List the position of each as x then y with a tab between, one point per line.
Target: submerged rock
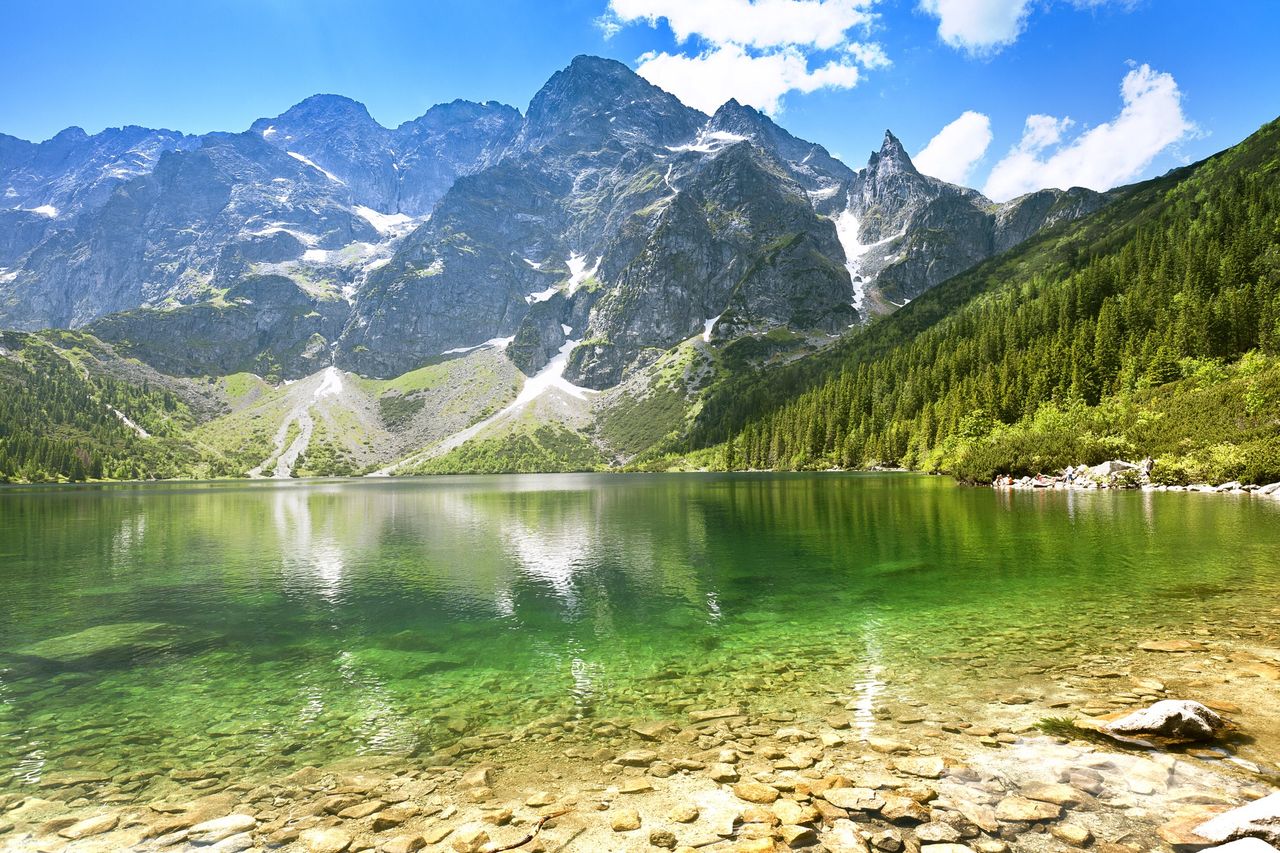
1171	718
112	644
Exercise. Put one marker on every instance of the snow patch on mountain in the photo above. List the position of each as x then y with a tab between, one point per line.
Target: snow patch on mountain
709	142
330	175
383	223
578	272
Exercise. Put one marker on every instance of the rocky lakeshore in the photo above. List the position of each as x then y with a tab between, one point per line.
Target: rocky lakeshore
1118	474
846	771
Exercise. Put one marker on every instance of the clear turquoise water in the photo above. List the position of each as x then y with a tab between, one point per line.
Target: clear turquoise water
389	617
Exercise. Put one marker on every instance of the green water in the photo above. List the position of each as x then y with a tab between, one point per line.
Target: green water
317	621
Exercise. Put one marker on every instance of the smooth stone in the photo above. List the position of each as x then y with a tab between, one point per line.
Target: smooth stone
637	758
854	799
329	840
685	813
755	792
928	767
362	810
946	848
723	773
635	786
1051	792
393	817
234	844
791	812
844	838
1172	718
403	844
899	809
887	745
886	840
937	832
212	831
1021	809
540	799
470	838
625	820
650	731
95	825
1076	836
1181	828
797	836
478	777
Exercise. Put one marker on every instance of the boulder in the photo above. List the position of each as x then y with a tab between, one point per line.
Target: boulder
1171	718
1244	845
1259	819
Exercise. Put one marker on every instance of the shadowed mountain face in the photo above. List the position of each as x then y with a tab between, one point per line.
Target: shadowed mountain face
610	219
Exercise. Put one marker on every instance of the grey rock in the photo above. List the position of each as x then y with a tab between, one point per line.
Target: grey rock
1173	718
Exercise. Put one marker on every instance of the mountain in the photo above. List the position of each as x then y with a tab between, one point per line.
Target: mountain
1150	328
597	266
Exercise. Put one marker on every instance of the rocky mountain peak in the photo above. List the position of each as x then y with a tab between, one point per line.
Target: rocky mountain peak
892	156
594	99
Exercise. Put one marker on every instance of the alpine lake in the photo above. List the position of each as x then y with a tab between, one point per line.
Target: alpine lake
392	663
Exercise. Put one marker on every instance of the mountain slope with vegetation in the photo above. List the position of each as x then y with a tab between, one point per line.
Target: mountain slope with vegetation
1150	327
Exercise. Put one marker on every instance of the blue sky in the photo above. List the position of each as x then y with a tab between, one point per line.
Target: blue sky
1029	91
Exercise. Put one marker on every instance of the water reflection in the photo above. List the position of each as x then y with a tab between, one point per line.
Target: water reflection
369	617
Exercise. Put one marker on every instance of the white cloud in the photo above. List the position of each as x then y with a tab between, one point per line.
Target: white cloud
756	51
709	79
957	148
869	54
819	24
978	26
984	27
1100	157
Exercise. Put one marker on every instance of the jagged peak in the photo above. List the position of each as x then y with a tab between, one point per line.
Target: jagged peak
892	153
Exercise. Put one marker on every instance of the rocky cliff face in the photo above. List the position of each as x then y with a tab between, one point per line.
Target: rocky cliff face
904	232
263	324
402	170
611	222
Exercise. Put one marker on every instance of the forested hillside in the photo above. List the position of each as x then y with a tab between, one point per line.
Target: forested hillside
60	422
1120	335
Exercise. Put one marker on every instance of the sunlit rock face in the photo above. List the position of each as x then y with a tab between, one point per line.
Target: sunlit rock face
609	214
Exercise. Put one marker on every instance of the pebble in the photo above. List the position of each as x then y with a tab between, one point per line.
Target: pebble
685	813
625	820
664	838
